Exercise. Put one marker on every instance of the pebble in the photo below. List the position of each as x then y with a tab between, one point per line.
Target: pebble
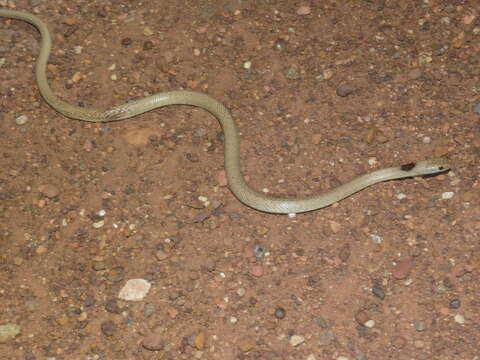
459	319
256	271
108	328
311	357
304	10
134	290
98	224
369	324
447	195
153	341
415	74
149	309
247	65
345	89
378	291
399	342
259	251
147	31
241	292
113	306
21	119
362	317
326	337
291	73
280	312
342	358
476	108
246	344
402	269
199	340
420	325
296	340
8	331
454	304
49	190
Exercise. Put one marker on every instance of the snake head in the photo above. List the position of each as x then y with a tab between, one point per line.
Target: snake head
426	167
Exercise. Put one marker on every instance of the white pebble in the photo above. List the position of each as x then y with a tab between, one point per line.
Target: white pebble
401	196
21	119
375	238
196	52
247	65
311	357
134	290
98	224
459	319
369	324
447	195
101	213
203	198
372	161
296	340
342	358
112	67
292	215
426	140
78	49
233	320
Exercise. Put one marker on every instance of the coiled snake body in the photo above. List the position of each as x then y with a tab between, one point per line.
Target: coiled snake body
236	181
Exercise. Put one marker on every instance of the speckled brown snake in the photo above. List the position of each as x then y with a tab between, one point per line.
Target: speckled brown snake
237	184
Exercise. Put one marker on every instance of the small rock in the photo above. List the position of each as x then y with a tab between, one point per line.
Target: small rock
311	357
459	319
70	21
199	340
304	10
258	250
344	253
447	195
476	108
222	178
420	325
108	328
345	89
256	270
399	342
369	324
153	341
21	119
41	249
246	344
280	312
149	309
296	340
147	31
335	226
8	331
161	255
415	74
378	291
113	306
362	317
134	290
454	304
402	269
49	190
291	73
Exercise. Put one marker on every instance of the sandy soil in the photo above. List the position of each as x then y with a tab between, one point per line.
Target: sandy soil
322	92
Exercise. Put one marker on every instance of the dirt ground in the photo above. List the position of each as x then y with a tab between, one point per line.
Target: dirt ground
322	91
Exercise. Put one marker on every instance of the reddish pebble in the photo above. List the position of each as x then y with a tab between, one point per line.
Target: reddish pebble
256	271
402	269
304	10
222	178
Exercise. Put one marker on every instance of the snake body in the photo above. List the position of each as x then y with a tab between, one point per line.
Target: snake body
236	181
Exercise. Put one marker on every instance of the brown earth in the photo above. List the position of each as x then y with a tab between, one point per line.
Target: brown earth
334	89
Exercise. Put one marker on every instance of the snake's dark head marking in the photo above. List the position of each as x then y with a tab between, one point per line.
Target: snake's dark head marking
408	167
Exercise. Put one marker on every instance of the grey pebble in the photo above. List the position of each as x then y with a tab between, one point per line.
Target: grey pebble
259	251
322	322
420	325
200	132
454	304
378	291
149	309
345	89
108	328
476	108
361	356
291	73
21	119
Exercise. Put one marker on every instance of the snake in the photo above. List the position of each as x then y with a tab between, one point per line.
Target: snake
236	181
